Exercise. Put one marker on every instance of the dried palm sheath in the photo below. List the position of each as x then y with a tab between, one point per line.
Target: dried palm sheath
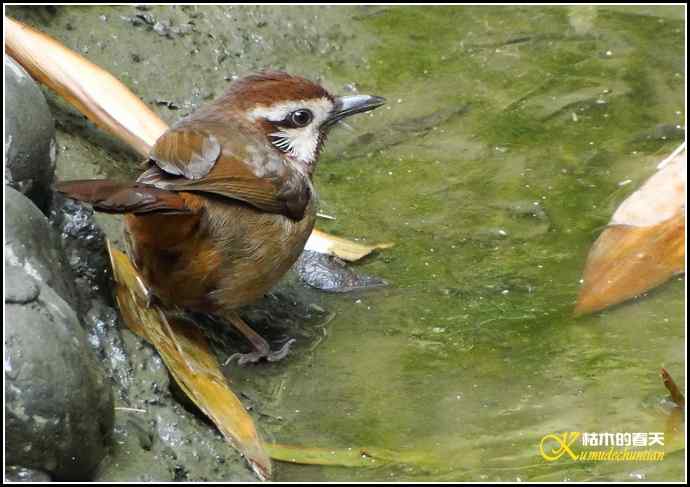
93	91
644	244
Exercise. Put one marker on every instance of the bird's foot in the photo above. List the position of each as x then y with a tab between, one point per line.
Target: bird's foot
257	355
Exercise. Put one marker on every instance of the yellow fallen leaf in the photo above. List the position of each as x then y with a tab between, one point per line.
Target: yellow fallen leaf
348	250
186	353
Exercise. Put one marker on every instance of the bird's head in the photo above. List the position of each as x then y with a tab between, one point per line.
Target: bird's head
295	114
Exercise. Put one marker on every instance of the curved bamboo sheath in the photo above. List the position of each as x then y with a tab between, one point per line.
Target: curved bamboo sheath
93	91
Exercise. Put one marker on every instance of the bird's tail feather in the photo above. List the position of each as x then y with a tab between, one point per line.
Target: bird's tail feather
114	197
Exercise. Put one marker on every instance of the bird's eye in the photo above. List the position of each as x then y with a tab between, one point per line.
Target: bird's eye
301	118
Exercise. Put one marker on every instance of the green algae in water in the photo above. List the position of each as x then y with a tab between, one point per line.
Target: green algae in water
473	353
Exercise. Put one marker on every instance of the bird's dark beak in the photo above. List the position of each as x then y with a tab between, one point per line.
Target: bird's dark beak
350	105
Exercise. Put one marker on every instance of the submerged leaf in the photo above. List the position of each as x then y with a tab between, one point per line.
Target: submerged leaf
187	355
346	457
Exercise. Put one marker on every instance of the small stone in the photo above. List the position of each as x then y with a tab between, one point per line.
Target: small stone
330	274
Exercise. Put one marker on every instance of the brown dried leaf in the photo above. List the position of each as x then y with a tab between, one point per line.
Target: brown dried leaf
186	353
674	433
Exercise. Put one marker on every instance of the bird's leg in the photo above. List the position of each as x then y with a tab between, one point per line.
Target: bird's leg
261	347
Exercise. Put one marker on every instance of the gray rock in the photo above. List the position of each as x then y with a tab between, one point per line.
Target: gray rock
32	244
22	290
58	405
330	274
29	136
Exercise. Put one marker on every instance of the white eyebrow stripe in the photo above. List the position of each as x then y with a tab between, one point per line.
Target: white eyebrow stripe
278	111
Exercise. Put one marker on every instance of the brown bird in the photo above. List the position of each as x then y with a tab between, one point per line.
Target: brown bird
227	202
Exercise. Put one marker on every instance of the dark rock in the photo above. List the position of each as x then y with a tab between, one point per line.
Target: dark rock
103	329
331	274
14	473
85	247
32	244
29	136
58	406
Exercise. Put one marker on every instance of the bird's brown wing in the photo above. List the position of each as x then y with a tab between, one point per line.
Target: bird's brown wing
186	152
193	159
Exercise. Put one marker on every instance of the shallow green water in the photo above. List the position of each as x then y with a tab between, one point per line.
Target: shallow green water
493	168
493	195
